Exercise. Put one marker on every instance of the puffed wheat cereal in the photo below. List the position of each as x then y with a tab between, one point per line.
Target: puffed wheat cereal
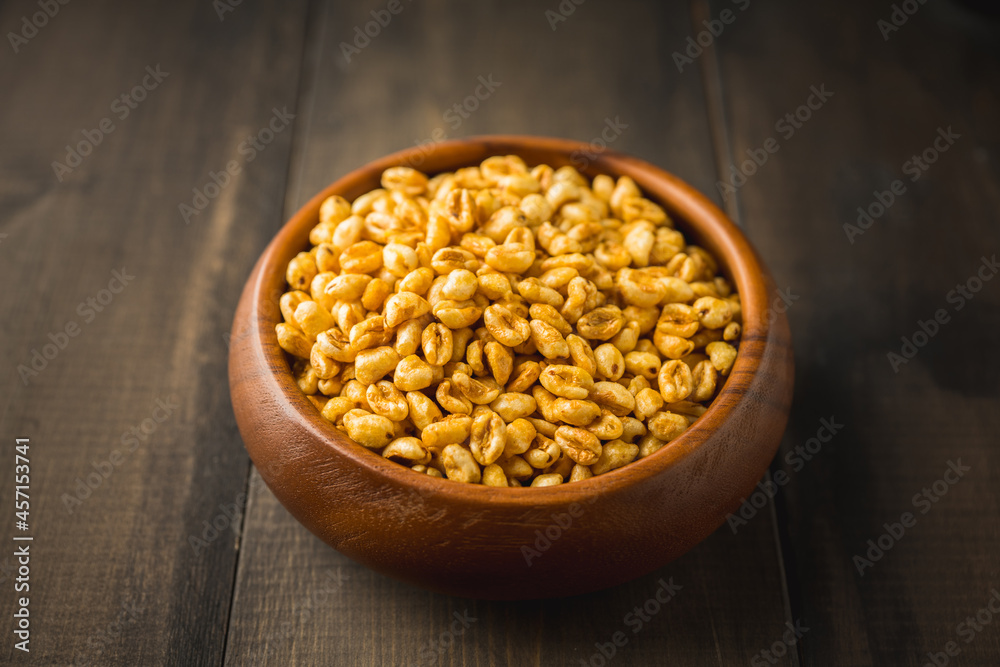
507	325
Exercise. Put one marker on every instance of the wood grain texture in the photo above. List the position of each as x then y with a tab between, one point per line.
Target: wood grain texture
296	601
159	338
856	300
373	620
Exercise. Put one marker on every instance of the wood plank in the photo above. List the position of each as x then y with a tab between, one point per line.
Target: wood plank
299	602
856	300
114	578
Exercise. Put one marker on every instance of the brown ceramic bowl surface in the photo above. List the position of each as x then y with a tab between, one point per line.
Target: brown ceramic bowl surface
514	543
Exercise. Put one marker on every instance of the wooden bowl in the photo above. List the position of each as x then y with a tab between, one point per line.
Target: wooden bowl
514	543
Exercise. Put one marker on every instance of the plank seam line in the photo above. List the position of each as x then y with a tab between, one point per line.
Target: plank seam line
711	72
250	469
711	75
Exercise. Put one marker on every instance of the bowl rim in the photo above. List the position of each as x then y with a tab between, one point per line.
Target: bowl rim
696	216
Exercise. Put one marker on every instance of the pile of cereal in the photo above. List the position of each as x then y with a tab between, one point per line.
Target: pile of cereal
506	325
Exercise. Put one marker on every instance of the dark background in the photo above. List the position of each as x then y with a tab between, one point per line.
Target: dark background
116	577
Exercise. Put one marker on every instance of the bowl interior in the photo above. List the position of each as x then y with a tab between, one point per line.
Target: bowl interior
701	222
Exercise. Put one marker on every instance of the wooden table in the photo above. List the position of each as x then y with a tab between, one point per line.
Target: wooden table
149	153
